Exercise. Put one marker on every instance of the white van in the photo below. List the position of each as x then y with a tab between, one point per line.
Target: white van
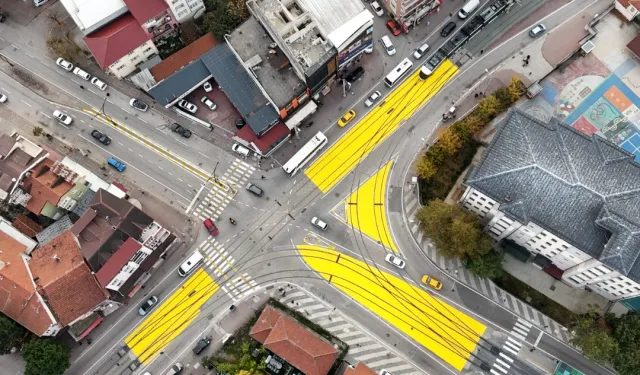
190	264
388	46
468	8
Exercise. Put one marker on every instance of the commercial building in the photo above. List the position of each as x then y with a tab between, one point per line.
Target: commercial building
409	12
18	156
185	10
569	199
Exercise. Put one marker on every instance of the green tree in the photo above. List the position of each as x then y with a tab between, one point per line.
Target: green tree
626	333
426	168
488	266
11	334
37	131
45	356
515	89
591	335
488	108
220	22
449	141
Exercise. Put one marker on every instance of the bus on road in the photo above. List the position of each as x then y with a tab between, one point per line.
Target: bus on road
302	157
398	72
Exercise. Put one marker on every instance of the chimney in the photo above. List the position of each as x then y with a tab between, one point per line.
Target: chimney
56	257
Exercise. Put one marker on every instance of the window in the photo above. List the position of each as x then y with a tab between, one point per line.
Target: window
120	67
131	53
147	50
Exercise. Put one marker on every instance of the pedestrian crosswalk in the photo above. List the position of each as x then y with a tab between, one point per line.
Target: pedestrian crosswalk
362	346
456	269
512	347
218	198
218	260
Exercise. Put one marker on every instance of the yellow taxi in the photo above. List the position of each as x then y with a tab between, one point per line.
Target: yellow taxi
431	282
346	118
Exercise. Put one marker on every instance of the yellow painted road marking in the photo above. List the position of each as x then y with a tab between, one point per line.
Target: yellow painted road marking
171	317
376	126
439	327
366	208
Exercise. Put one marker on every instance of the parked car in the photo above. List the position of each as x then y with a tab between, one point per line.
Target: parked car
537	31
372	98
177	128
388	46
201	345
64	64
447	29
139	105
187	106
209	103
240	149
98	83
211	227
319	223
395	261
101	137
355	74
377	9
62	117
395	30
3	98
431	282
148	305
175	369
118	165
254	189
420	51
346	118
81	73
207	87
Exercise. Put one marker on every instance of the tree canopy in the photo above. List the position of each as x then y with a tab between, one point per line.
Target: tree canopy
11	334
45	356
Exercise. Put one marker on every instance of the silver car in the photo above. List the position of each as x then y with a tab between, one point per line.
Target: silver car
209	103
372	99
395	261
187	106
148	305
537	31
319	223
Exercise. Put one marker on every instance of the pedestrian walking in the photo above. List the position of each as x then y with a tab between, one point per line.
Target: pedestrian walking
82	87
263	177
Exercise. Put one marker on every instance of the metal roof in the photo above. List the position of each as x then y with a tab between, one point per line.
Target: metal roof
180	83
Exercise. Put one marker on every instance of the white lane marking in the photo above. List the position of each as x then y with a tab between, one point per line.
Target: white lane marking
141	156
160	168
5	90
142	120
46	115
181	180
182	143
204	155
29	55
109	101
130	150
26	103
93	92
120	143
125	110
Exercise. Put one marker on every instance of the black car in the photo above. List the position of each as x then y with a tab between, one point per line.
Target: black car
447	29
201	345
357	73
103	138
254	189
181	130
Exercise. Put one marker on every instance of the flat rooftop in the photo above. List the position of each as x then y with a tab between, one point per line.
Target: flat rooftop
295	26
270	65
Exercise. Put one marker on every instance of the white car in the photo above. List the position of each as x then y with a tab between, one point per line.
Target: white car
395	261
319	223
372	99
377	9
209	103
63	118
81	73
240	149
3	98
64	64
537	31
139	105
207	87
98	83
420	51
187	106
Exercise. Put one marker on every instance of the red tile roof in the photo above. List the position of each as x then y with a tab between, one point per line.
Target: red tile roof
144	10
360	369
27	226
41	190
18	299
285	337
183	57
64	279
116	40
117	261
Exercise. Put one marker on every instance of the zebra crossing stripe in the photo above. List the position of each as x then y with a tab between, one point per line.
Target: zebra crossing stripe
494	372
503	363
359	340
366	357
361	349
506	357
385	362
399	368
495	365
524	323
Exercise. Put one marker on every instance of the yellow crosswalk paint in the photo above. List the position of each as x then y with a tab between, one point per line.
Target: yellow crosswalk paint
171	317
439	327
366	209
376	126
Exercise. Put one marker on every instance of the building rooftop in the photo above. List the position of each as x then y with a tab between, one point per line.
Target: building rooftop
27	226
241	89
94	14
64	280
293	25
296	344
17	154
144	10
54	230
184	57
45	186
360	369
115	40
172	88
580	188
251	42
117	261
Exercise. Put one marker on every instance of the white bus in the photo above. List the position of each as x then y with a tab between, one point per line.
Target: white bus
305	154
398	72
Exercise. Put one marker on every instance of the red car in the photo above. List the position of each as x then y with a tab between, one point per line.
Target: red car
395	30
211	227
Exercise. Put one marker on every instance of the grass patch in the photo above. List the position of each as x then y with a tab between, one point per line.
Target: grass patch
539	301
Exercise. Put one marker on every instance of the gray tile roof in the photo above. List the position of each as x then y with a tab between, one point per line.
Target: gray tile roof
585	190
54	230
241	89
179	83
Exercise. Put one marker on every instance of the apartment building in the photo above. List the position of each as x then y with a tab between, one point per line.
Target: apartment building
409	12
185	10
569	198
